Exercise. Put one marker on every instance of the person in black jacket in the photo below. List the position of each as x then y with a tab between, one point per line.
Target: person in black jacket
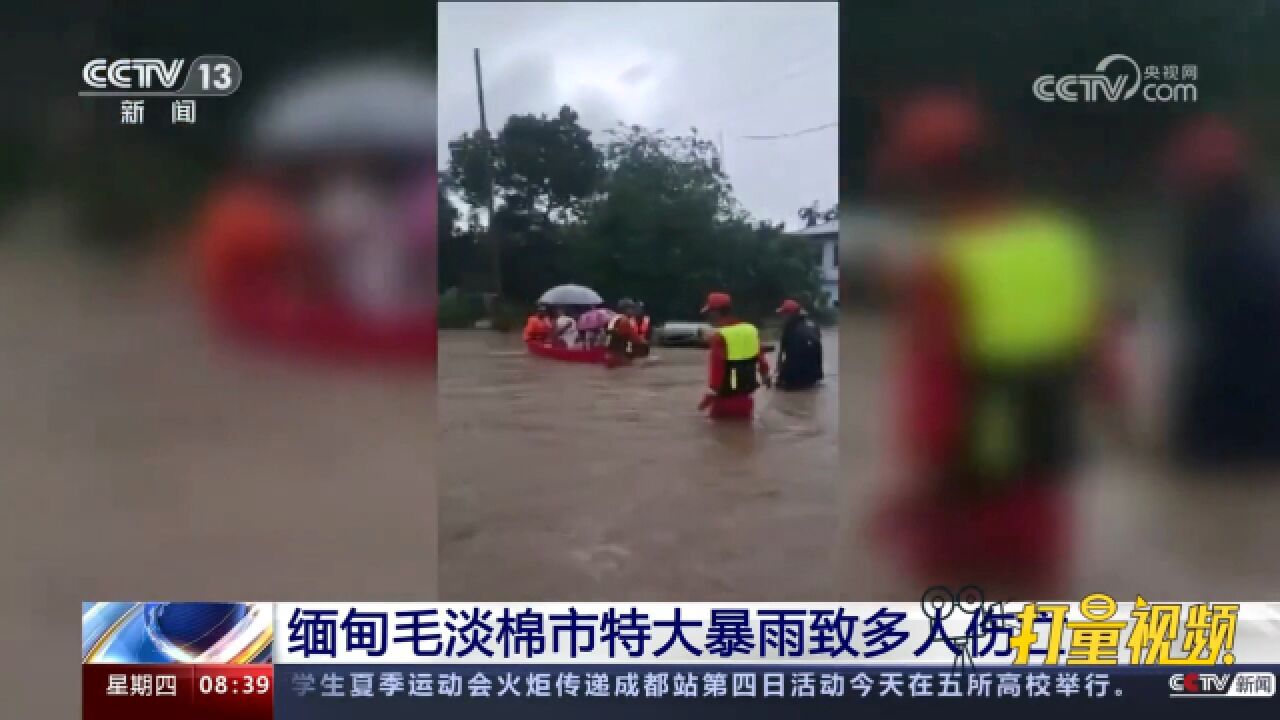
1226	409
799	349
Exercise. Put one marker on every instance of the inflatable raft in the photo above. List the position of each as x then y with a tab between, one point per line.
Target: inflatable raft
579	355
327	330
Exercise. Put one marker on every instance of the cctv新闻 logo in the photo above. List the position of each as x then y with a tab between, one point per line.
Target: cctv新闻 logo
1116	78
132	74
1239	684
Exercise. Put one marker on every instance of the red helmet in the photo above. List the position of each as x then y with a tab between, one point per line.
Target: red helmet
930	130
1204	151
789	307
717	301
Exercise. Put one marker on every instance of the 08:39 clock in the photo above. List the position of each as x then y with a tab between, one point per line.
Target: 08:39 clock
242	685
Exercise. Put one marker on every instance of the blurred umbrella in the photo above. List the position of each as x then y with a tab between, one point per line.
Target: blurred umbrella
570	295
596	319
363	107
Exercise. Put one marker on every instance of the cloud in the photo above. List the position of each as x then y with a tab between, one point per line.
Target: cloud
636	74
731	69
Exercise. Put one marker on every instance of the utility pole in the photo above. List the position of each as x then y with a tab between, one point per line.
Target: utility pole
495	251
721	153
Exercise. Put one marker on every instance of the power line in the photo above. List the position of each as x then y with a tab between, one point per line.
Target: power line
797	133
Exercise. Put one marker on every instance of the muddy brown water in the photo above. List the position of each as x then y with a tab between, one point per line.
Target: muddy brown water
1141	525
565	480
561	481
141	458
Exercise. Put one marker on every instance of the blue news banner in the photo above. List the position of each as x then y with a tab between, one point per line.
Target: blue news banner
395	692
948	655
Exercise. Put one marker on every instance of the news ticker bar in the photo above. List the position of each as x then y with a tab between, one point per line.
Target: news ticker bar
1095	631
288	692
251	661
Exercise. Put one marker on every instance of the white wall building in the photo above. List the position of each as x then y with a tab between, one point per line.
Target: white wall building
826	237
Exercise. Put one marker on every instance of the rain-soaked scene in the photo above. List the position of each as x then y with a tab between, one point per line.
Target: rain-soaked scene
217	324
638	354
1060	358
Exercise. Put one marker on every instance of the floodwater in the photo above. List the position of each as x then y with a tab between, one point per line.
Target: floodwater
1141	526
143	459
564	480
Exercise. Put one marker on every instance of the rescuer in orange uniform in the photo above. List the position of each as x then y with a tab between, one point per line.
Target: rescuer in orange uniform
250	249
735	358
1001	318
621	340
641	320
537	328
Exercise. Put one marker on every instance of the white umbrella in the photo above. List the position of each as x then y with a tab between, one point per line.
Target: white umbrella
570	295
371	106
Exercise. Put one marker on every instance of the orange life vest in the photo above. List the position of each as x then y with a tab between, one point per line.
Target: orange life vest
536	329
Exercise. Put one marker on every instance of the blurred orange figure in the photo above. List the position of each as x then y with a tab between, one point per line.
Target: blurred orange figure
622	341
537	329
247	239
1000	317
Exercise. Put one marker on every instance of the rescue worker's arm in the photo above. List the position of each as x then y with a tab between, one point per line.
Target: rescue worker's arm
718	355
934	393
783	340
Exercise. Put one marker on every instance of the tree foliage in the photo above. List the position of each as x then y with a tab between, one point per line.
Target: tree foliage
645	215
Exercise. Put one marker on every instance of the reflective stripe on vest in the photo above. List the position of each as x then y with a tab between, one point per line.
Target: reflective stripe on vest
1027	287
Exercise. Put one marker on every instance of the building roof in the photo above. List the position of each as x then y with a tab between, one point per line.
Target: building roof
830	227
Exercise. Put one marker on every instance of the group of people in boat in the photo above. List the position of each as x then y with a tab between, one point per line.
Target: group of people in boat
738	365
624	332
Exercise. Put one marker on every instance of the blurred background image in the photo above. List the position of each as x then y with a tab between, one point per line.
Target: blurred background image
218	328
1060	372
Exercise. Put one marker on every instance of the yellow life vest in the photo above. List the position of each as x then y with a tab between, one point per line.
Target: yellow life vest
1027	285
1028	292
742	352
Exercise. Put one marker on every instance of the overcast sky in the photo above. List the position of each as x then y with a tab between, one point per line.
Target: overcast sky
734	68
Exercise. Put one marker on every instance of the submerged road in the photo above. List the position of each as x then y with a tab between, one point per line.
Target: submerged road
563	480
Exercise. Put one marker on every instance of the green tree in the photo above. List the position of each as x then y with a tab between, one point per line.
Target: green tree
543	168
645	215
668	230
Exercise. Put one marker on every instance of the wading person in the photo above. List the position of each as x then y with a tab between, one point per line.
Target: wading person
799	349
641	319
621	341
1001	319
1226	393
735	361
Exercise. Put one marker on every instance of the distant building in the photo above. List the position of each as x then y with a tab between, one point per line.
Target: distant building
826	241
